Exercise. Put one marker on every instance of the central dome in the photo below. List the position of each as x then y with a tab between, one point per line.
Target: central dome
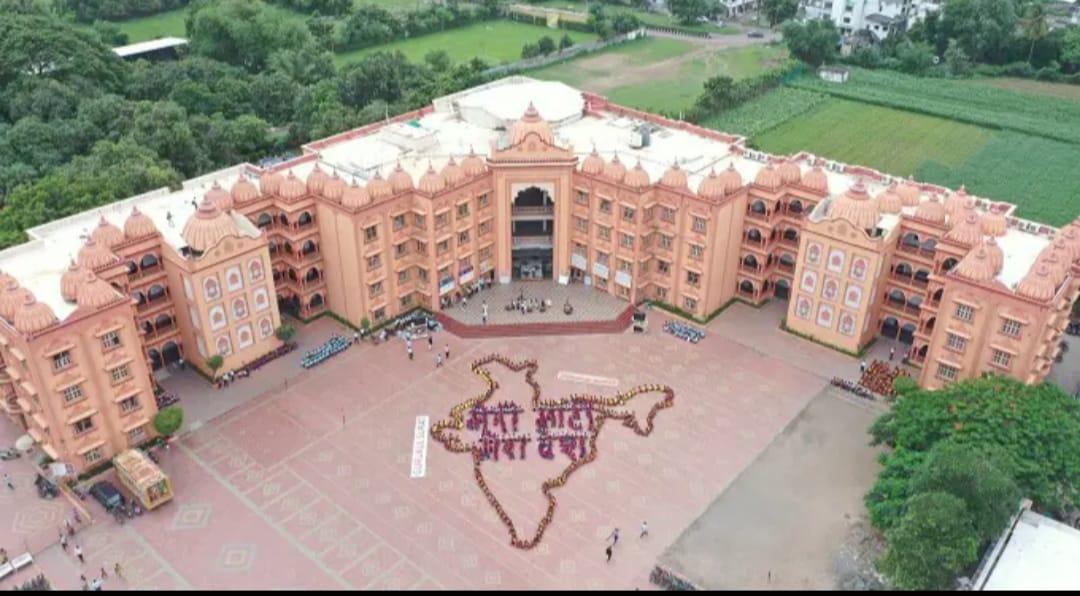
531	123
209	225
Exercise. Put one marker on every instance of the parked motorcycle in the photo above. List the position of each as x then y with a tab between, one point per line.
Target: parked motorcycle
7	454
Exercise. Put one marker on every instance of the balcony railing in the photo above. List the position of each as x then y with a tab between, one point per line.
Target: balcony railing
532	242
538	210
152	303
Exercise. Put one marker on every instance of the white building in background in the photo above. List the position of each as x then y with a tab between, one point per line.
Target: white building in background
734	8
879	18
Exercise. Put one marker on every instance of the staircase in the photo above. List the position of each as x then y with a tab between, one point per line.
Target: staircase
616	325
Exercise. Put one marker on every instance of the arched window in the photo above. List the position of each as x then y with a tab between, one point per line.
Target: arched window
948	264
929	244
156	292
750	261
224	347
316	301
911	239
758	206
148	261
312	275
746	286
902	269
163	321
284	219
754	235
309	247
239	307
897	297
791	234
132	267
304	219
138	297
795	206
266	327
922	275
264	220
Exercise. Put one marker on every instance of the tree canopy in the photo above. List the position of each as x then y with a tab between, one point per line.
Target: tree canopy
813	42
689	11
934	542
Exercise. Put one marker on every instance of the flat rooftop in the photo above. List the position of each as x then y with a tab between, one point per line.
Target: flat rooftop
1040	554
152	45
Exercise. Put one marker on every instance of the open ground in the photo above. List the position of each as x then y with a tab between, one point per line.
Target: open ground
308	486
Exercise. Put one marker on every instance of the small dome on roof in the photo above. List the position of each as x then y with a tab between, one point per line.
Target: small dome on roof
473	164
107	234
69	282
930	210
138	225
909	193
95	292
593	164
768	177
378	187
431	182
637	177
731	179
789	172
531	123
816	180
33	316
93	255
452	172
1037	284
674	177
270	182
956	201
997	256
243	190
614	170
316	180
334	188
355	196
1071	236
208	226
856	206
976	266
711	187
994	223
400	180
291	188
967	232
11	297
888	201
219	197
1059	268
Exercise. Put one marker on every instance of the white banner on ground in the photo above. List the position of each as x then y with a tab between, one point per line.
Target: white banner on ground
419	448
573	377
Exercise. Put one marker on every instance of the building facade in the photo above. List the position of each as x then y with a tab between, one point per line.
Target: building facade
517	179
877	18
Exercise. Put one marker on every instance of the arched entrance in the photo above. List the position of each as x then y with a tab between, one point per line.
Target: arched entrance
907	333
783	289
155	358
170	352
532	226
890	327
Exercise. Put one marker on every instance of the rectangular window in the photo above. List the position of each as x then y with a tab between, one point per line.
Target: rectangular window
401	250
667	214
661	293
626	241
1002	359
580	249
582	198
403	276
137	436
463	210
955	342
626	266
399	222
1010	327
442	247
699	225
441	220
964	312
72	393
628	214
419	221
93	456
603	232
689	304
581	224
373	262
605	206
379	314
602	258
129	405
464	266
663	267
371	233
375	289
692	278
485	253
84	425
463	237
422	274
421	248
944	371
120	373
696	251
110	340
405	300
665	241
484	228
61	360
483	201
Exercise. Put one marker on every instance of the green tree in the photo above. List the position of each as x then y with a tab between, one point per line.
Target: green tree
957	60
169	420
1034	25
215	362
241	32
1070	48
915	58
933	543
566	42
110	33
530	50
546	45
778	11
903	384
980	478
689	11
983	28
285	332
39	46
813	42
438	60
304	65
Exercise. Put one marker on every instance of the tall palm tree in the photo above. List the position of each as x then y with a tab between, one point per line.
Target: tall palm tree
1034	25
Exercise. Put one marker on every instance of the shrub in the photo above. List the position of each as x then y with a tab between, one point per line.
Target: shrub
215	362
285	332
169	420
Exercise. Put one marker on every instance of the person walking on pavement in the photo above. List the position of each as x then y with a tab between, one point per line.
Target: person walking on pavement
430	341
614	537
892	352
11	485
63	542
78	554
117	571
644	529
410	353
484	313
862	366
447	351
608	552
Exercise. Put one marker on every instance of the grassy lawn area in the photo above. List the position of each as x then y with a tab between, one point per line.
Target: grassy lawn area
588	72
171	23
656	19
494	42
1036	173
1062	90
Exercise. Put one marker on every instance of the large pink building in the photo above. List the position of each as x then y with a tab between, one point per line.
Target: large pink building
533	180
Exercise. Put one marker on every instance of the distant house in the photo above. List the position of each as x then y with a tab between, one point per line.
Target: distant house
833	74
164	48
878	18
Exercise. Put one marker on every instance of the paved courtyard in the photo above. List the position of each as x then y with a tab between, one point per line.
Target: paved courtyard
309	486
589	305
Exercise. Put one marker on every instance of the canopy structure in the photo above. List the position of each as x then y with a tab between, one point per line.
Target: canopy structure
143	478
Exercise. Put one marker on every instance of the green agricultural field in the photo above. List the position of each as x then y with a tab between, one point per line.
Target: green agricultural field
1036	173
171	24
659	74
766	112
494	42
1062	90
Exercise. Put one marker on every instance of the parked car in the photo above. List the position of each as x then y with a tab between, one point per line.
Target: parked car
107	494
755	34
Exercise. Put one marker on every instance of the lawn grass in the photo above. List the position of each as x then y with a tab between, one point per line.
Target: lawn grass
495	42
171	23
1062	90
656	19
582	72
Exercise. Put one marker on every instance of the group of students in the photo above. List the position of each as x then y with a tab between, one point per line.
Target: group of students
614	538
430	346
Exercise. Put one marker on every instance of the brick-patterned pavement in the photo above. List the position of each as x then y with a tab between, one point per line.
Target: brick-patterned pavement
310	487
